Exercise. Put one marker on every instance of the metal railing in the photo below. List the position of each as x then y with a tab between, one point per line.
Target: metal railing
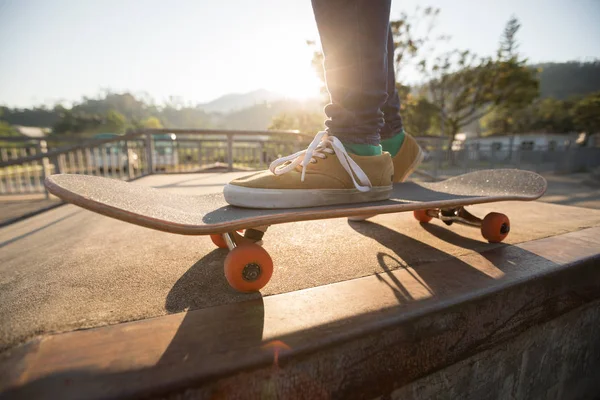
24	165
439	162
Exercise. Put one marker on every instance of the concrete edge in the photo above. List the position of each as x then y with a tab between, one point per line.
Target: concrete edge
31	214
342	337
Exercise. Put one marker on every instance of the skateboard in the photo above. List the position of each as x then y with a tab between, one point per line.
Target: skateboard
248	266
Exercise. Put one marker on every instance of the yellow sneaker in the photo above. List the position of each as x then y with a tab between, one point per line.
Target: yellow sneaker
407	159
323	174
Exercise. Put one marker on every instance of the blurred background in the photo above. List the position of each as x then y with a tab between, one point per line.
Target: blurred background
127	88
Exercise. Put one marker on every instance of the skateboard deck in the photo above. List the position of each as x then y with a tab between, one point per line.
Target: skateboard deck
210	214
248	267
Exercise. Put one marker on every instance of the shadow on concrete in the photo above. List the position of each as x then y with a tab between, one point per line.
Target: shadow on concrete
205	278
41	228
18	209
408	254
447	235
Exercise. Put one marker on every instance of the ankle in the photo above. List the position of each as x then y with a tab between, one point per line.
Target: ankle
363	149
393	144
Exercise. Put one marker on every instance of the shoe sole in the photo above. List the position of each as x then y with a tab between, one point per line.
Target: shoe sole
411	169
297	198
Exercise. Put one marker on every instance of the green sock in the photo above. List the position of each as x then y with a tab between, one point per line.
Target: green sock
363	149
393	144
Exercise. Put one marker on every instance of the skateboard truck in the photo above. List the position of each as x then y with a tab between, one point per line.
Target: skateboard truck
458	214
494	226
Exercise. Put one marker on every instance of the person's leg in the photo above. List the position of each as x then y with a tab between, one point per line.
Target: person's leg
354	38
406	153
345	164
391	108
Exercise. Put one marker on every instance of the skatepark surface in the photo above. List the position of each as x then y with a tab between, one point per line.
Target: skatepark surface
68	268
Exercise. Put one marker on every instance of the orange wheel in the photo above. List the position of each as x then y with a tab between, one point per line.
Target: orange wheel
422	216
219	241
495	227
248	268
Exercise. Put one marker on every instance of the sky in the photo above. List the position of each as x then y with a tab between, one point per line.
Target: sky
197	50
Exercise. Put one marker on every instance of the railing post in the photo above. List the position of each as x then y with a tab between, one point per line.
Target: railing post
43	148
130	175
229	152
149	154
57	164
200	155
437	156
262	157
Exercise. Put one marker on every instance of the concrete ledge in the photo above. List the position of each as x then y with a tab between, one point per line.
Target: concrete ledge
362	338
559	359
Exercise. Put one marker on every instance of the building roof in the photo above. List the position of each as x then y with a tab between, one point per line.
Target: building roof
32	131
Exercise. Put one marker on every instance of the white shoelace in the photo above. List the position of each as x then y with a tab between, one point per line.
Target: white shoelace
322	144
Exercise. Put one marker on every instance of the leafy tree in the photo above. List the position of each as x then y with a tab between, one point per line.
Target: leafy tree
544	115
302	120
7	130
36	116
413	37
586	113
465	88
151	123
114	122
552	115
418	115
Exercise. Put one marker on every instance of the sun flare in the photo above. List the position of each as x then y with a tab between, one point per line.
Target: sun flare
297	83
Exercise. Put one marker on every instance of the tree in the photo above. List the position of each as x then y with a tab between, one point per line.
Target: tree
302	120
552	116
417	112
6	130
543	115
417	115
413	38
151	123
114	122
465	88
586	114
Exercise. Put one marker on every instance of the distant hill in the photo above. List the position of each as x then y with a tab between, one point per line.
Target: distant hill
563	80
260	116
251	111
237	101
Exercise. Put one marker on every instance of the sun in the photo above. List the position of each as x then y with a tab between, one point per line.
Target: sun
290	72
297	83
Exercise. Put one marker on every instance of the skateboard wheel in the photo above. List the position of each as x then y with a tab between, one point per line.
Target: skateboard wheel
248	268
422	216
495	227
219	241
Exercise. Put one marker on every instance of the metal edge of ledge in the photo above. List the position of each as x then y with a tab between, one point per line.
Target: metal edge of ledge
351	339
